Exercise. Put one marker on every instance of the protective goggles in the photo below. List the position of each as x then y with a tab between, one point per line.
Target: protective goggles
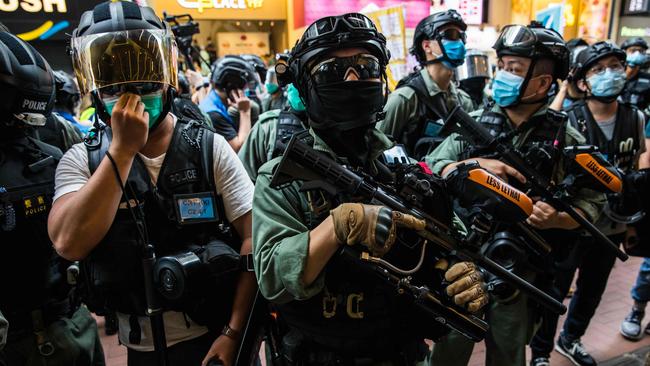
133	56
452	35
135	88
328	25
522	38
336	68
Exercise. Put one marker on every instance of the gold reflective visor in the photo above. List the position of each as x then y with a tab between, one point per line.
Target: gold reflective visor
143	55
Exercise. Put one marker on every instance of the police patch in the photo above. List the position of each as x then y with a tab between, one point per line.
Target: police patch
195	208
183	177
34	205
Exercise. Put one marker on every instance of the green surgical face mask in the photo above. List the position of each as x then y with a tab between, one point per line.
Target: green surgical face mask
294	98
153	104
272	88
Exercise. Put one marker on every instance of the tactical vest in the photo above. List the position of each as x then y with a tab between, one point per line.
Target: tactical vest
637	92
624	145
180	211
357	313
539	149
289	123
422	137
32	275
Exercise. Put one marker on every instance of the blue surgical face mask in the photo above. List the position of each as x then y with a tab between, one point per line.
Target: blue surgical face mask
506	88
455	51
609	83
636	59
294	99
153	104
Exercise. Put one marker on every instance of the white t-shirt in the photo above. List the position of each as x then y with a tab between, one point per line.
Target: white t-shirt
232	183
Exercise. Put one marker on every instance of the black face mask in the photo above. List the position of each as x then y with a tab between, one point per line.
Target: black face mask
345	105
343	115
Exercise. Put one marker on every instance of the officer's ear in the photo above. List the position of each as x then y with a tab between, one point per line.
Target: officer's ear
430	48
582	85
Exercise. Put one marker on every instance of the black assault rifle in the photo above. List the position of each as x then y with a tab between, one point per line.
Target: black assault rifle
302	163
557	196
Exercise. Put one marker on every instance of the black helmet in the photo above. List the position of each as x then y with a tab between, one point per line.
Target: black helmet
576	42
326	34
183	84
120	43
258	64
67	92
428	28
594	53
534	42
26	81
232	72
637	41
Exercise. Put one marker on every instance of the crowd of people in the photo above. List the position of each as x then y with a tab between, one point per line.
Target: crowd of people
204	206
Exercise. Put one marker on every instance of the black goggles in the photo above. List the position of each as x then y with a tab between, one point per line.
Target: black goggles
452	35
328	25
135	88
523	38
336	68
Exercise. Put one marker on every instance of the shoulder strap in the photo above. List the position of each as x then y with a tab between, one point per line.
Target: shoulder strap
434	104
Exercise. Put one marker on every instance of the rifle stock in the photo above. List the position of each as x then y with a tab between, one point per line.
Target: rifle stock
459	121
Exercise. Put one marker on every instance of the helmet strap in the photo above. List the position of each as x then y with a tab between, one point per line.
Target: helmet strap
100	108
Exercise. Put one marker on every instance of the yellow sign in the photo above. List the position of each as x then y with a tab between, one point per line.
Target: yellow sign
200	5
390	22
223	9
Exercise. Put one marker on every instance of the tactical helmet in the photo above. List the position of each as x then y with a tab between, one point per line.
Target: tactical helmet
258	64
121	42
232	72
183	84
325	35
534	42
637	41
27	82
428	28
589	56
67	92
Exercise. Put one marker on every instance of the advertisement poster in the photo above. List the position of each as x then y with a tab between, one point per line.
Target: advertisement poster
390	22
235	43
594	19
415	9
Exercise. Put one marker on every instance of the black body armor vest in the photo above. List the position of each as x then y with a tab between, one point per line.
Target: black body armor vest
174	219
624	145
289	123
32	275
637	91
423	137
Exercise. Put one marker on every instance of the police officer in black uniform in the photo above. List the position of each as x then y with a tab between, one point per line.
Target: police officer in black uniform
47	325
156	202
637	89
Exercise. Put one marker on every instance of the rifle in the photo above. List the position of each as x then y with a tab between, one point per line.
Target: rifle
555	195
301	162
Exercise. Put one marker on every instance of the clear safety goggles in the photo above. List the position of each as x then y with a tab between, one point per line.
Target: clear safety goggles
522	37
133	56
327	25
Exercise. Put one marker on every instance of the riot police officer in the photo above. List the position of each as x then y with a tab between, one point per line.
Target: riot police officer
427	95
231	75
47	326
473	76
618	131
276	97
68	100
637	88
331	310
530	59
152	190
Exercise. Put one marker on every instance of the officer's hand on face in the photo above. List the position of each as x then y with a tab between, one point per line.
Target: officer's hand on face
223	349
239	100
501	169
130	124
544	216
371	226
556	104
467	287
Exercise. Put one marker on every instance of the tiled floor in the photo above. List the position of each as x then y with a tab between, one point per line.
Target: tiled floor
602	339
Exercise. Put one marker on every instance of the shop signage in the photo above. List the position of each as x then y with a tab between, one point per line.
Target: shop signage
201	5
636	7
635	32
34	6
